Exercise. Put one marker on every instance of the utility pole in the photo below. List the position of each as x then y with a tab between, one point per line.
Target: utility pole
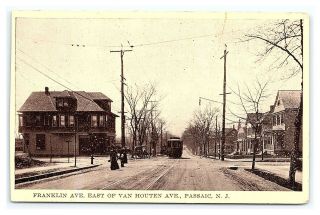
75	140
161	138
219	154
224	102
68	141
122	51
50	149
215	139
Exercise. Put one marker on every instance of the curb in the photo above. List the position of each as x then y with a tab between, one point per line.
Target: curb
51	174
276	179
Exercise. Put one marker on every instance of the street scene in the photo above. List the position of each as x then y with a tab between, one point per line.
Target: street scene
161	173
180	103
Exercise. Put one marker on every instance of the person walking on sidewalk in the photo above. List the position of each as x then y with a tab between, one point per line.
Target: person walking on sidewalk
113	159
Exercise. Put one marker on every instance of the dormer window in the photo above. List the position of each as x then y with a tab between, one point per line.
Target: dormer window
60	102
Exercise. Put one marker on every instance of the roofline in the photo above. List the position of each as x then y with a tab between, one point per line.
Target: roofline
70	112
102	99
289	90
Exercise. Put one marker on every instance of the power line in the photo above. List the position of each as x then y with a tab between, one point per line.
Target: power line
45	66
52	79
83	45
80	45
174	40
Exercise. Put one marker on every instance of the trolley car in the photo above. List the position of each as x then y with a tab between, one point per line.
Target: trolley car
174	147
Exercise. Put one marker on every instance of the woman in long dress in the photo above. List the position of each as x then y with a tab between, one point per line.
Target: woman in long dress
114	160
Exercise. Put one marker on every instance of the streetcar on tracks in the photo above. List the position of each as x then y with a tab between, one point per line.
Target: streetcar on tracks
174	147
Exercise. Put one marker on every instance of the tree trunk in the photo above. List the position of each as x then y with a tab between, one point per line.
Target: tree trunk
298	125
262	146
254	152
295	151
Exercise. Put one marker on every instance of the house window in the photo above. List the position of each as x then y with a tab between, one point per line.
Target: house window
62	120
46	120
71	120
40	141
21	123
278	103
38	120
54	121
28	120
94	121
282	118
101	120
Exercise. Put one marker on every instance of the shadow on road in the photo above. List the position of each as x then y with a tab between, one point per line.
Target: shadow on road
182	158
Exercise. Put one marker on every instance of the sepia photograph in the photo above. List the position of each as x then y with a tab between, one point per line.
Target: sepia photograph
181	107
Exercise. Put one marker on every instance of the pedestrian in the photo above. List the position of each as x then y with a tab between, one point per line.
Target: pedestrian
125	157
113	159
121	157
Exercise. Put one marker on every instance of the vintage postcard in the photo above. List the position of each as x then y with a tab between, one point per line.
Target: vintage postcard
149	107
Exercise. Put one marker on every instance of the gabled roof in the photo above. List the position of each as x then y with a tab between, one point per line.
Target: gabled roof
42	102
252	117
228	131
38	101
98	96
289	98
85	102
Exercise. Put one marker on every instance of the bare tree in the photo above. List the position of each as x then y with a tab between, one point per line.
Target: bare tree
144	116
138	99
251	100
200	130
286	37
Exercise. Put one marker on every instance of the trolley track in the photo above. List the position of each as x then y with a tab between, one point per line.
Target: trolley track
141	181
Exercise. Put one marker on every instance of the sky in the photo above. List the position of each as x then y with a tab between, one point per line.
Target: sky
181	56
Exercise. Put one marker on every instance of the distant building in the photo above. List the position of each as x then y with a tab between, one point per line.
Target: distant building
285	111
266	144
241	144
277	127
230	141
247	135
53	123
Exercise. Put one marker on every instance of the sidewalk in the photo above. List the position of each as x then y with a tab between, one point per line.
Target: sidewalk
276	166
280	170
58	165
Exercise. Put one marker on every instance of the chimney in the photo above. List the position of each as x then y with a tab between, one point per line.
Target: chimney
46	90
239	124
271	108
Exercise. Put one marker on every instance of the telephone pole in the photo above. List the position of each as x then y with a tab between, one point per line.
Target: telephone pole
215	139
223	139
122	51
153	139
